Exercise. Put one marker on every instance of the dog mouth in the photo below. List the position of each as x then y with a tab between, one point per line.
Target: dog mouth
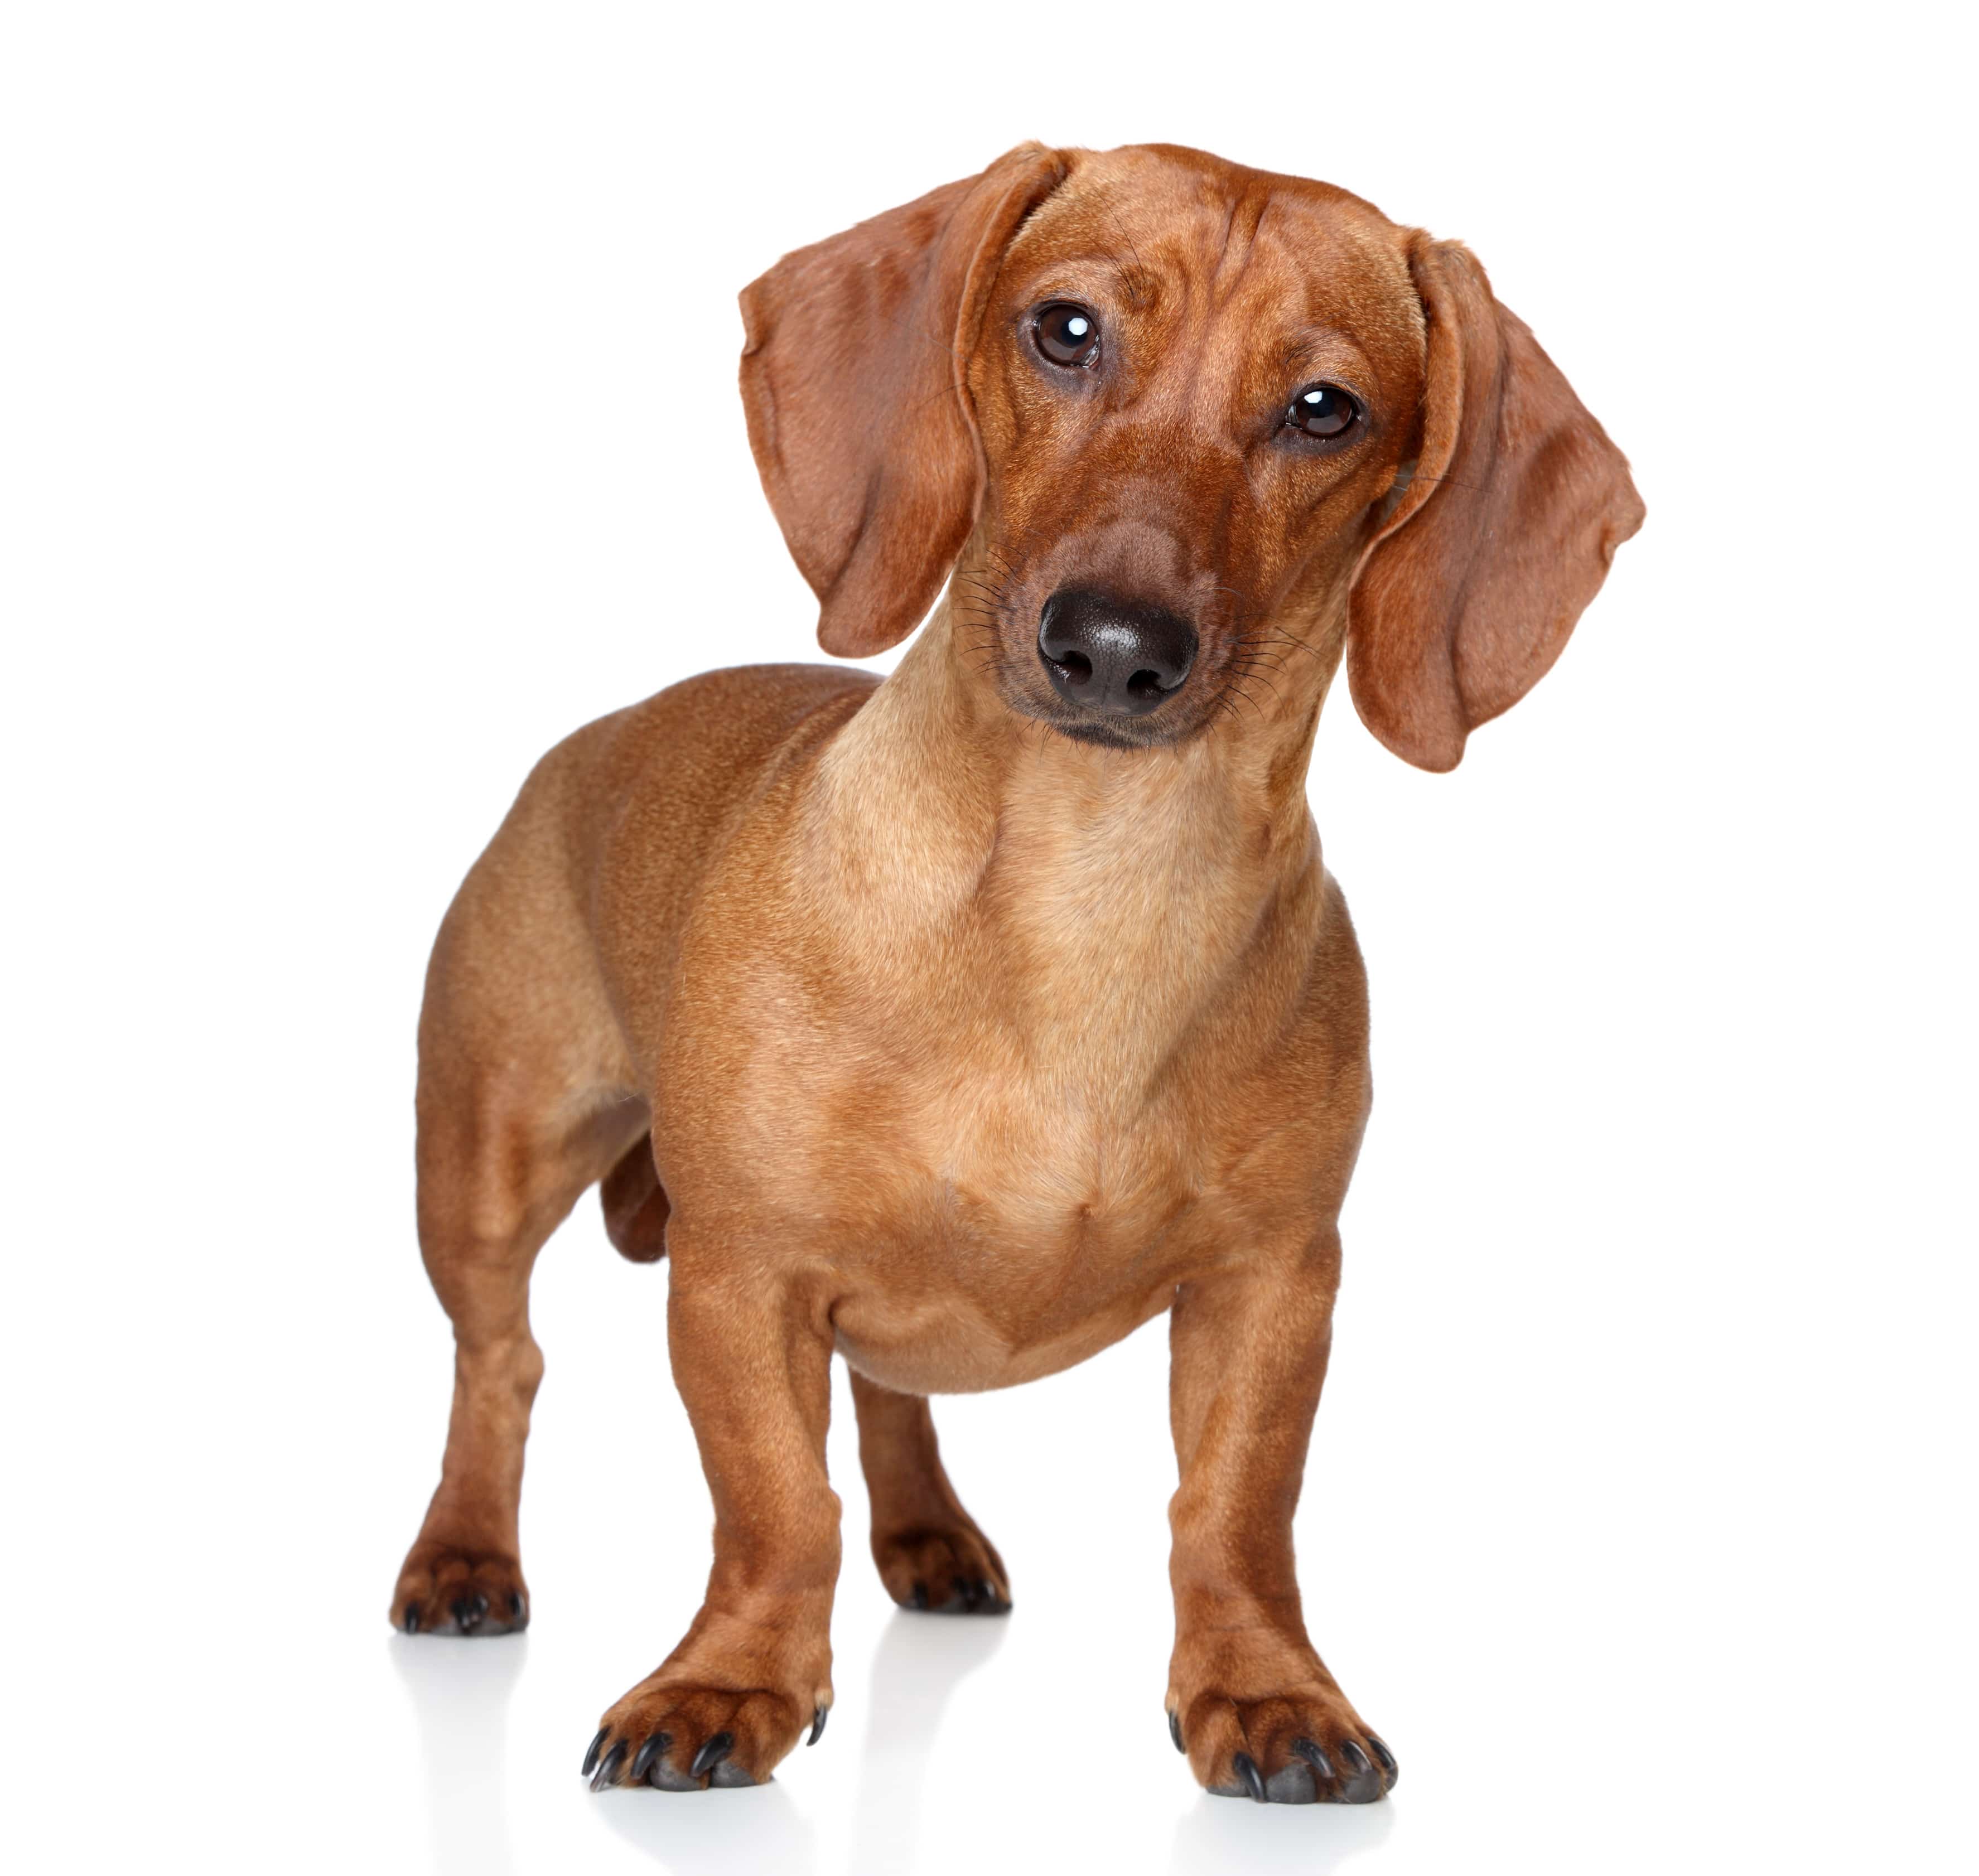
1170	722
1109	736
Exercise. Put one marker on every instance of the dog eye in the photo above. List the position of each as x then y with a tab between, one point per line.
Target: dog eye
1067	333
1322	410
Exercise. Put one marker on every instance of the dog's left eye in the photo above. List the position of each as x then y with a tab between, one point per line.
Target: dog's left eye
1322	410
1067	333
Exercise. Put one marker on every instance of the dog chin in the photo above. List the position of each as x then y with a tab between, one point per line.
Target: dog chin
1100	733
1156	731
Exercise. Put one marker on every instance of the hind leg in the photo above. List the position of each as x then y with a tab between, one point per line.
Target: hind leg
493	1183
521	1106
932	1554
526	1097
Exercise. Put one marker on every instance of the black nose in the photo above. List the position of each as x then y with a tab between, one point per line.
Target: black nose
1114	655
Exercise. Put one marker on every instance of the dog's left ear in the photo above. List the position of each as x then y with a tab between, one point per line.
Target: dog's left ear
1470	589
860	419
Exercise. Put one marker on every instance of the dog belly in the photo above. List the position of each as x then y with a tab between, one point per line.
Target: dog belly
953	1345
970	1272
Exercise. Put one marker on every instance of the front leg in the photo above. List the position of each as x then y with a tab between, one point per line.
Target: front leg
1249	1699
752	1355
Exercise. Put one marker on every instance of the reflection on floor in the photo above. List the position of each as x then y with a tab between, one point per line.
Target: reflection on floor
461	1691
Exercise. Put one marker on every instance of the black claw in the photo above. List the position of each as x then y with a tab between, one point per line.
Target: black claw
985	1594
817	1720
920	1596
1362	1783
655	1748
519	1610
1254	1779
965	1591
1174	1731
1309	1751
609	1767
1387	1758
592	1751
468	1611
412	1618
712	1754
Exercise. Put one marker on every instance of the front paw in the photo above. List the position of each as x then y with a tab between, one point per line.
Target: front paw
952	1569
452	1589
1303	1745
724	1708
675	1736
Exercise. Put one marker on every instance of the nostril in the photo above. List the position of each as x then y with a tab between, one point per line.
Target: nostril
1122	658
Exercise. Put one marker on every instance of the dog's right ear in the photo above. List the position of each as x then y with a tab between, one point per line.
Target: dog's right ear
859	416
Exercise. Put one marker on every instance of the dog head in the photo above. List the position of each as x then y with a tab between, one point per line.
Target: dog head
1177	421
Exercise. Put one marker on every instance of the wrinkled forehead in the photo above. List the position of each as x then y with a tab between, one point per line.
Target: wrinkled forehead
1189	240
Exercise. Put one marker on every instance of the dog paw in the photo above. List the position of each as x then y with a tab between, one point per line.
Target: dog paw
954	1571
1303	1748
444	1589
676	1737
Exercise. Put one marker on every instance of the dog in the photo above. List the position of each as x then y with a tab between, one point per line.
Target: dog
961	1022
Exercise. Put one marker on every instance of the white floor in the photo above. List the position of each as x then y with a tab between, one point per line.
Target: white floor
1570	1686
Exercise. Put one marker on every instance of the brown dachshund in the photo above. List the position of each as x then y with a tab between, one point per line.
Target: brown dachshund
961	1022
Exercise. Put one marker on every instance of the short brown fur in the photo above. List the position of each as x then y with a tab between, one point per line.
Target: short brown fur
908	1027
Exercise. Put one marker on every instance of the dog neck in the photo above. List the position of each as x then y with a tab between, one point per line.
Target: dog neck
944	824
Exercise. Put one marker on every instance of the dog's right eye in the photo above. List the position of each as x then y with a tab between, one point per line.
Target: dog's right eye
1066	332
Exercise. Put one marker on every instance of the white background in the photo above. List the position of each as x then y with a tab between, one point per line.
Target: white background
367	422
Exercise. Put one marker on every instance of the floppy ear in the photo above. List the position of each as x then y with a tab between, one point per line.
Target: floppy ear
1467	594
859	416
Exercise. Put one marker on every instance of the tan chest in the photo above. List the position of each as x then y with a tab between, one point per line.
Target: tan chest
987	1228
